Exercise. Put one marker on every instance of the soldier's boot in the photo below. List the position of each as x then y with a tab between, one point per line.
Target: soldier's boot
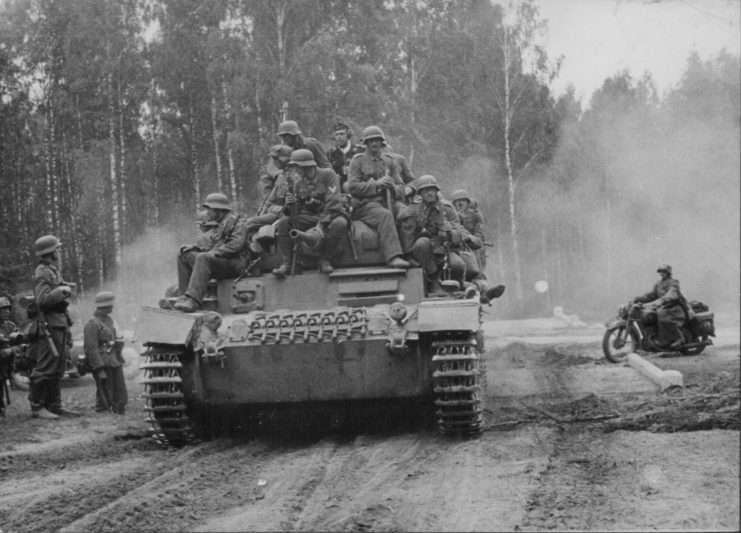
489	293
63	411
43	414
398	262
325	267
282	271
186	304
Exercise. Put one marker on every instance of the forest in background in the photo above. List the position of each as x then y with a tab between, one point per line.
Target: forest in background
117	117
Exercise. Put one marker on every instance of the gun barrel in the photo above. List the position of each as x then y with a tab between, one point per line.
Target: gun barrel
310	238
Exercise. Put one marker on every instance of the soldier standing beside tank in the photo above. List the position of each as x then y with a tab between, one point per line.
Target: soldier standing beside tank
290	134
373	181
103	351
313	202
227	257
52	339
472	248
343	151
431	228
8	353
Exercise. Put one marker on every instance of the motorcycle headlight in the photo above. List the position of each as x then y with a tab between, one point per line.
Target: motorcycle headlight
622	310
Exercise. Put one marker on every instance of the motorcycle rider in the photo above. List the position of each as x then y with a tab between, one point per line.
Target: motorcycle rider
670	305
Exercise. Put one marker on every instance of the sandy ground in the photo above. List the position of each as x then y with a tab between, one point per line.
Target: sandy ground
545	462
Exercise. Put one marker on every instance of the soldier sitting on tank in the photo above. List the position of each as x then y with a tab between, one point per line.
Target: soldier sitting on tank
472	246
279	154
430	233
374	182
290	134
226	258
272	205
312	202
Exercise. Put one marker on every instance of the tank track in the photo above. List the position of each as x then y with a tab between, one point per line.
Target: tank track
459	384
163	394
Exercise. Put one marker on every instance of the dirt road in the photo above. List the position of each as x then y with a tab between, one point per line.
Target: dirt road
549	459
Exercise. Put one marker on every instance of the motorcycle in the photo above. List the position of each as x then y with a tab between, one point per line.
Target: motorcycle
635	328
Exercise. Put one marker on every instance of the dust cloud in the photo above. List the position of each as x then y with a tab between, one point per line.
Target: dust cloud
597	222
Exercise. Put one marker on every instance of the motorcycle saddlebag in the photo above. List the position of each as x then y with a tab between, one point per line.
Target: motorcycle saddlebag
698	307
703	324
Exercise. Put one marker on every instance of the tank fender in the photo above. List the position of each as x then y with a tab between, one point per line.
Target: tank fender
160	326
448	315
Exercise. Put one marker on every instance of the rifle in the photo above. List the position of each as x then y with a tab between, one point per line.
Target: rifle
389	198
294	220
44	329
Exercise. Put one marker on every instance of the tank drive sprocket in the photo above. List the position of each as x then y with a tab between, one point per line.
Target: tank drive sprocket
458	382
163	393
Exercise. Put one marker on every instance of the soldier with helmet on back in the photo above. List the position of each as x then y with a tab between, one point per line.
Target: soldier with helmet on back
372	179
226	258
103	351
343	151
50	338
291	135
312	202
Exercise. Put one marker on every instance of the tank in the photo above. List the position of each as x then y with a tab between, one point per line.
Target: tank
316	348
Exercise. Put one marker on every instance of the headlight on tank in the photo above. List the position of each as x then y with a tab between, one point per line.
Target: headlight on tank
397	311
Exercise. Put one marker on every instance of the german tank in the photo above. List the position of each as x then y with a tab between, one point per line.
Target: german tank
316	347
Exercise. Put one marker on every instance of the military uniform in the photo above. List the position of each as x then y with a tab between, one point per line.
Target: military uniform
405	170
225	259
103	353
472	220
424	240
7	356
369	199
316	148
670	309
340	158
45	379
318	204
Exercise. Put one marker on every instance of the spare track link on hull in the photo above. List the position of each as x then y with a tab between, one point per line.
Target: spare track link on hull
163	393
458	386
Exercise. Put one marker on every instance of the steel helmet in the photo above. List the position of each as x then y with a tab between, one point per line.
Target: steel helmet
460	194
217	200
46	245
104	299
427	181
280	150
665	268
302	158
4	302
373	132
288	127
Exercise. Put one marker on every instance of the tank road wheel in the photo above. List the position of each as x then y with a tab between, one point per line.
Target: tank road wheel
458	386
163	393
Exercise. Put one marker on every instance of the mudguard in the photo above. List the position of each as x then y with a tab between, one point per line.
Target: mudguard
157	326
448	315
614	323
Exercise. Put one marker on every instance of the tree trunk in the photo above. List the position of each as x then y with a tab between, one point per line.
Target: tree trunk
217	151
113	147
229	151
194	156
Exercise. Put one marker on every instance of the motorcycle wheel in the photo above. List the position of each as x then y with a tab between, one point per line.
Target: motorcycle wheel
20	381
614	354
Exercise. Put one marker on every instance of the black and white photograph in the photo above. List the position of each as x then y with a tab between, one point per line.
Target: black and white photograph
370	266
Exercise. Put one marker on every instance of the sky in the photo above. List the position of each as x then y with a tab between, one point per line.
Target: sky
599	38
